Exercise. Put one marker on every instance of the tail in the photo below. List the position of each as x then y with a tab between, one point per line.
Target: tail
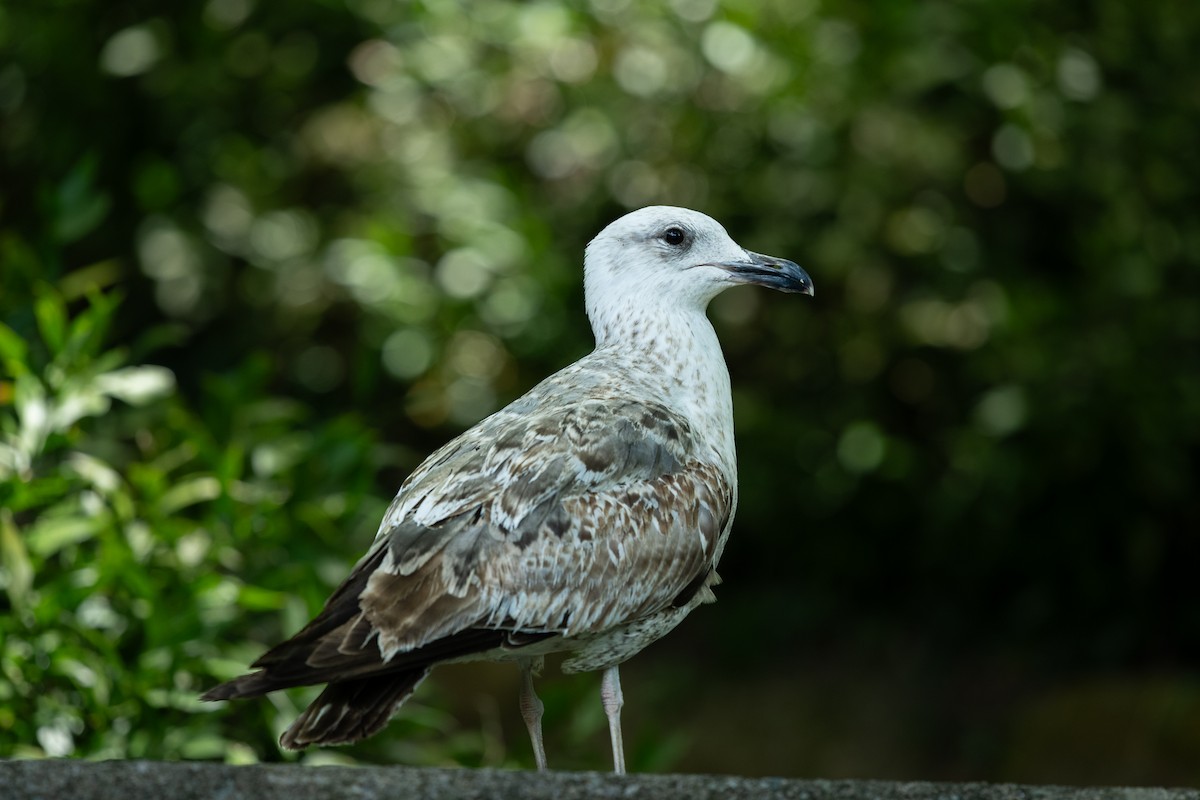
345	712
348	711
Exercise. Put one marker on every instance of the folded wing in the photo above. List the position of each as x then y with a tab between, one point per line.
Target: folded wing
531	525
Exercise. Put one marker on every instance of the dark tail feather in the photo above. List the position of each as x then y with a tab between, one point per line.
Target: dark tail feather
348	711
252	685
287	675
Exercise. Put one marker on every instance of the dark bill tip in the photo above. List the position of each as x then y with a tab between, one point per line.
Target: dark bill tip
774	273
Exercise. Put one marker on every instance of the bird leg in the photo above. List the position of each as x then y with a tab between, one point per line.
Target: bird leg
532	708
612	699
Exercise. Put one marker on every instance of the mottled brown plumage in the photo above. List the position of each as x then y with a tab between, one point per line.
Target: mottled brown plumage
586	517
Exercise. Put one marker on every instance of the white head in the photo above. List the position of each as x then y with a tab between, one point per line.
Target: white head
666	260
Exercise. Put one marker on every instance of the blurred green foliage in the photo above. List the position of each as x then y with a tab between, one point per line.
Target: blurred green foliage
258	258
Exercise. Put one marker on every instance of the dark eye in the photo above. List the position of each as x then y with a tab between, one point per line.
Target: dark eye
674	236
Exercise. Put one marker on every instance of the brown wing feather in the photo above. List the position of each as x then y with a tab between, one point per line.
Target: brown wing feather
590	518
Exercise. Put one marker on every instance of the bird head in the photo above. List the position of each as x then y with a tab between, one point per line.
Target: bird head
675	259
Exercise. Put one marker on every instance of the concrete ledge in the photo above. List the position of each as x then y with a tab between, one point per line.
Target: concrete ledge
135	780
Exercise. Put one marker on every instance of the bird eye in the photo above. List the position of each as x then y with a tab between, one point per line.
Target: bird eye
674	236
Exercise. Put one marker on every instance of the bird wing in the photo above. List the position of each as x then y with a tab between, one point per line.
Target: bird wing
532	524
569	521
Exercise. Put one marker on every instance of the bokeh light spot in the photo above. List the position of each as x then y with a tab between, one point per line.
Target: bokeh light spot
915	230
407	353
473	354
1078	75
861	447
573	60
1012	148
463	273
1002	410
279	235
131	51
728	47
694	10
223	15
1006	86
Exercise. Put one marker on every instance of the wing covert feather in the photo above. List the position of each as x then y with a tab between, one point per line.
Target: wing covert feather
566	522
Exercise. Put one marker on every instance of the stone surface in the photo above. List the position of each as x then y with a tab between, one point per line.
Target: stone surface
135	780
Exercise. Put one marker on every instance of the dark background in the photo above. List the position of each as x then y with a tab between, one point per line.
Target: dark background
258	258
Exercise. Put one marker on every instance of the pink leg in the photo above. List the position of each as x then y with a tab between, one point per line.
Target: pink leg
612	699
532	708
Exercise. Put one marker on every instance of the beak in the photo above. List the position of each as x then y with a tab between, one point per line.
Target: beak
774	273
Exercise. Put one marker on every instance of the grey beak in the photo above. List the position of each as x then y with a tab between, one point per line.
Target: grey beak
774	273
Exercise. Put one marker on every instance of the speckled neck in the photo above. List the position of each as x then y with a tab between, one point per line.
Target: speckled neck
675	356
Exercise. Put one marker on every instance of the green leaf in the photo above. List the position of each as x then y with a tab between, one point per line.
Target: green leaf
38	491
21	263
101	476
13	351
11	461
137	385
15	560
33	411
51	314
48	536
89	329
189	492
256	598
80	207
74	403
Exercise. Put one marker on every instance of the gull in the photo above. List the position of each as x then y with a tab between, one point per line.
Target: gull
587	517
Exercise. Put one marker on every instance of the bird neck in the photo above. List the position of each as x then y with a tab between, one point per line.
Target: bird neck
674	355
